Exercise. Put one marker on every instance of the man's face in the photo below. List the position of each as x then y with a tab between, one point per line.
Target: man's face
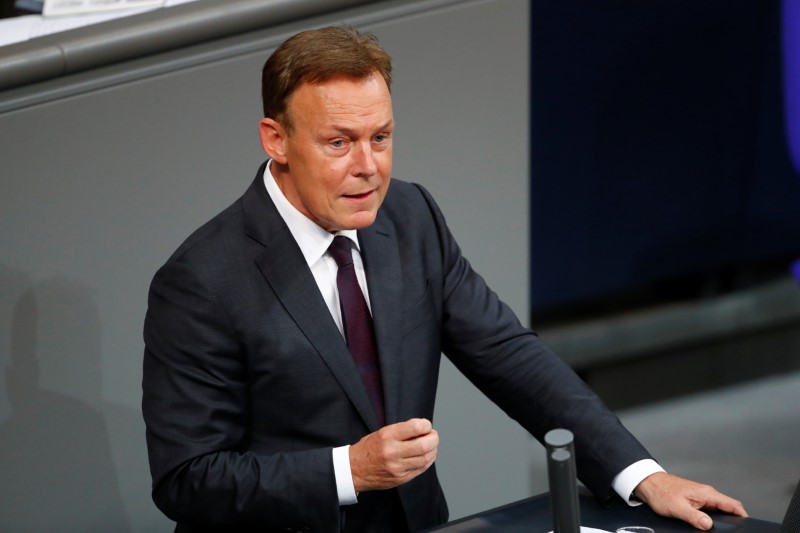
336	163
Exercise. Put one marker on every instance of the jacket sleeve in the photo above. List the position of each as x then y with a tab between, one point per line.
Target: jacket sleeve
508	362
195	406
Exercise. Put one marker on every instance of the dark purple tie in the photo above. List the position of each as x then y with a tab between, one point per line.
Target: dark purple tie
357	323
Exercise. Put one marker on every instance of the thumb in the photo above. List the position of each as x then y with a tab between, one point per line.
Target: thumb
699	519
411	429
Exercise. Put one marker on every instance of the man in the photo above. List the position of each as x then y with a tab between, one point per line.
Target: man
270	400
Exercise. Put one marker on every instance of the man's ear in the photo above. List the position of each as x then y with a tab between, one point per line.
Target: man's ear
273	139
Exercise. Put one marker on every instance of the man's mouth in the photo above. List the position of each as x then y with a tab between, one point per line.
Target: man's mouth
359	196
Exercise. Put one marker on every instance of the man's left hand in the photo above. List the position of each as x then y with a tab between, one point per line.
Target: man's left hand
675	497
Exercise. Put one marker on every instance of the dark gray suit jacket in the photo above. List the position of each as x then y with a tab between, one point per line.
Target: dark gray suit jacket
248	383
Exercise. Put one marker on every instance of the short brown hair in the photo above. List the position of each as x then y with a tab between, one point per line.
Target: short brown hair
317	56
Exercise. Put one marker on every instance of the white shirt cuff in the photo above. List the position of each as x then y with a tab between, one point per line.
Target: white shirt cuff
344	477
626	481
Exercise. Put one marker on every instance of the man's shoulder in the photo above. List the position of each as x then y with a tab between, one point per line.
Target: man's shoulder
404	188
228	229
405	195
214	232
410	211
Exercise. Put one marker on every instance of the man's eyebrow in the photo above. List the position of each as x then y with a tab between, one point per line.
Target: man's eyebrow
351	132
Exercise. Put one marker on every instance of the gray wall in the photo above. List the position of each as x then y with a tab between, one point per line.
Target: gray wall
99	187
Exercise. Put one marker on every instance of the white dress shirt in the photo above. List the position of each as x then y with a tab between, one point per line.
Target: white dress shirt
314	242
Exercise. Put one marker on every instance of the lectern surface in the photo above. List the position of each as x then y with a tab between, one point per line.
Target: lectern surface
533	515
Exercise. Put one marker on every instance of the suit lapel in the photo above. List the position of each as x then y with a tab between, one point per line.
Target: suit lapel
289	277
384	278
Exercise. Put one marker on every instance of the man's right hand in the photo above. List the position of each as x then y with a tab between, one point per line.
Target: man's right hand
393	455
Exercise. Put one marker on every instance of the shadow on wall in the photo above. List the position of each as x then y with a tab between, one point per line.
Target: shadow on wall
55	456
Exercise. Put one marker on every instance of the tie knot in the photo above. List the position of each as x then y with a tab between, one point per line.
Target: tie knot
340	251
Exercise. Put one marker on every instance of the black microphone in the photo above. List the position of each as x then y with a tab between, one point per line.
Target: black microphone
561	474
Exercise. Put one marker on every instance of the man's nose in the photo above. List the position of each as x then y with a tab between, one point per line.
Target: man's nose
364	160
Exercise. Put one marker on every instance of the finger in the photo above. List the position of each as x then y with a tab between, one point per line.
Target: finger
684	508
736	509
419	446
707	497
727	504
413	466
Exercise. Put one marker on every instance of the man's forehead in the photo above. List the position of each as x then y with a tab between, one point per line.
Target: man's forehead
339	85
343	98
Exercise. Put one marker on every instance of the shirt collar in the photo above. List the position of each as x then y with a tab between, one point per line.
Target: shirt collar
312	239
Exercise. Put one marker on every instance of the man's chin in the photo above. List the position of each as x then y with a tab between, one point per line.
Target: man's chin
360	220
363	222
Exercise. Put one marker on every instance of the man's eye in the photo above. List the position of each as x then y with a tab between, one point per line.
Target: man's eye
339	143
382	138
